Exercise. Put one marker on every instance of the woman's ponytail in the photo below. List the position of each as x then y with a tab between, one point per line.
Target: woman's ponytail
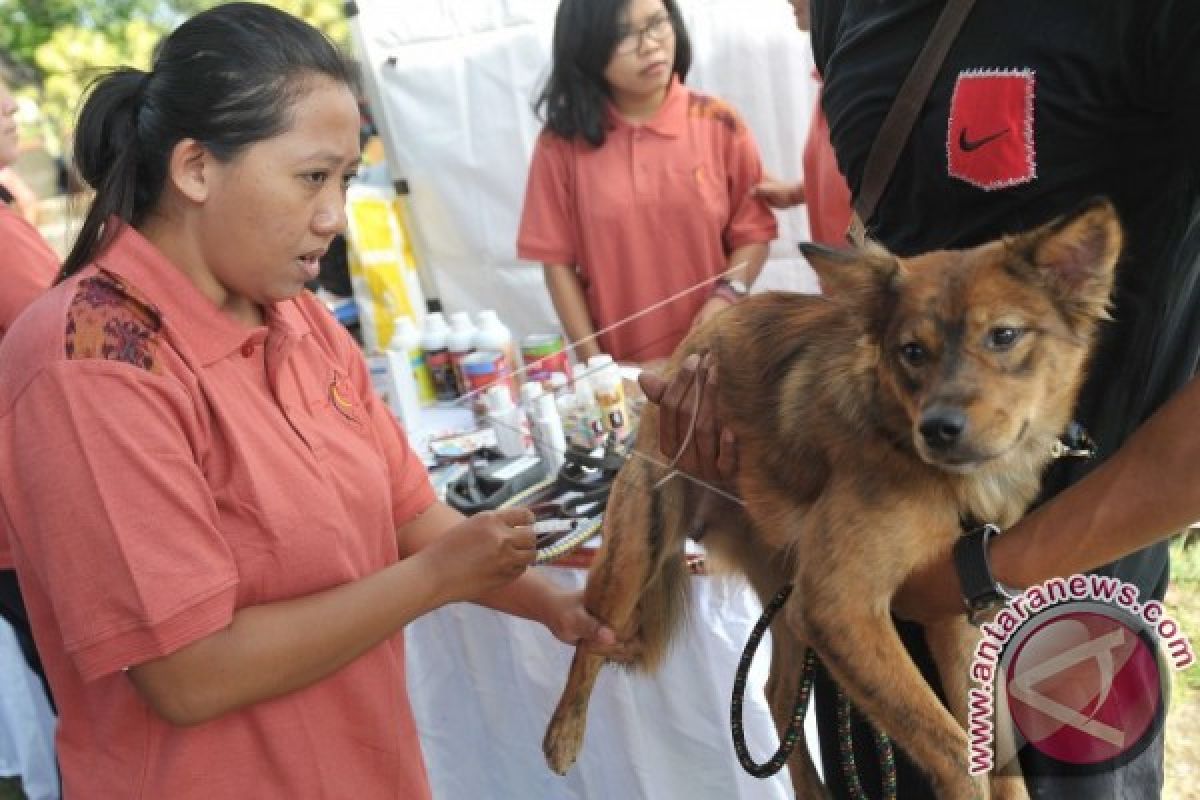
107	152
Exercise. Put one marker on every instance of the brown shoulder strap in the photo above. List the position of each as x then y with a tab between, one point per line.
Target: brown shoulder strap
898	124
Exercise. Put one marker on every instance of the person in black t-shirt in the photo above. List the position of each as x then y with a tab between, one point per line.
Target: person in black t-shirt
1037	107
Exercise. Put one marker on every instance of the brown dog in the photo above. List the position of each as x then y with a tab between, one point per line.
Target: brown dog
870	421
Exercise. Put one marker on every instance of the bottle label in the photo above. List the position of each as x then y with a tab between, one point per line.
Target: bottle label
441	371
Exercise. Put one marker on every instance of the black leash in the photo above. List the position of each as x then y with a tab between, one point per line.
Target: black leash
791	736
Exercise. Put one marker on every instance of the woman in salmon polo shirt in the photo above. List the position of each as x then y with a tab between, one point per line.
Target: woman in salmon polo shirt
219	530
27	268
639	189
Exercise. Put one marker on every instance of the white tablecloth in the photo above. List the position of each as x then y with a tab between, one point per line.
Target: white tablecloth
26	723
483	686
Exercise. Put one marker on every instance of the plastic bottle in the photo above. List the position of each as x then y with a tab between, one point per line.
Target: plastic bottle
505	419
437	357
609	387
491	334
588	428
407	338
461	343
545	425
400	383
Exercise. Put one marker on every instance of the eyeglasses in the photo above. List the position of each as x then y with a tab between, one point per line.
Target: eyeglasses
658	29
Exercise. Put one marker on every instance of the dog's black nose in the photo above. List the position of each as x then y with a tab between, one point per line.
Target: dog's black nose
942	427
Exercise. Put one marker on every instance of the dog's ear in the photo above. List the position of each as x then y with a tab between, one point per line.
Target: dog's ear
852	273
1076	256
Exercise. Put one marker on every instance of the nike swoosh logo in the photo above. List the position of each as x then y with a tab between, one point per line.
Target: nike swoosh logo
968	145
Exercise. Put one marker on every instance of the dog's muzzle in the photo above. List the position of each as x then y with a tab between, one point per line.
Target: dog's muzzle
942	428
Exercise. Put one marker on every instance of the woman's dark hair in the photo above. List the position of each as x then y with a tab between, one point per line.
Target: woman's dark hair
227	78
586	32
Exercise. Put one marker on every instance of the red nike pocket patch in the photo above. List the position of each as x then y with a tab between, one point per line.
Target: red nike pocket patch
989	143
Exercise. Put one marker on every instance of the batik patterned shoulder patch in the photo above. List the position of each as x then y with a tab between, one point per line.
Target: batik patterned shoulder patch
110	321
990	138
706	107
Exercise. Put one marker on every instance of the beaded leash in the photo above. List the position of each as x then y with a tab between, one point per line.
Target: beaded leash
795	727
796	724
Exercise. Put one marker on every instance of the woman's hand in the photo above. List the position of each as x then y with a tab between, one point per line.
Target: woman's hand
711	453
482	553
778	194
568	619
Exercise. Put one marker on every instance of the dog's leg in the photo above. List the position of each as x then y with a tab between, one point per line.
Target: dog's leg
787	667
864	654
636	586
850	559
952	645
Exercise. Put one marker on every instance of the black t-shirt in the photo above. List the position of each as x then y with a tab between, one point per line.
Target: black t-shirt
1040	105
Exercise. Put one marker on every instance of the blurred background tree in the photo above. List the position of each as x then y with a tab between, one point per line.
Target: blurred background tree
52	49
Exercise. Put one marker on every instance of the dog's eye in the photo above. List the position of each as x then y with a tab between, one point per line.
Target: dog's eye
1004	338
913	354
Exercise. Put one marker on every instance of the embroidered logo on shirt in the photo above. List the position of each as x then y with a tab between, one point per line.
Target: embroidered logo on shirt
109	320
990	137
717	110
341	396
968	145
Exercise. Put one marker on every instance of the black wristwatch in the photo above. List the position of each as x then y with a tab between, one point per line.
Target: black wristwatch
981	592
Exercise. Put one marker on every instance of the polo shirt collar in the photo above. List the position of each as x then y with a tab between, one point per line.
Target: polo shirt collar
210	333
671	118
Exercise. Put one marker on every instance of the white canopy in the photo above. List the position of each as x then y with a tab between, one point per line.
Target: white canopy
452	83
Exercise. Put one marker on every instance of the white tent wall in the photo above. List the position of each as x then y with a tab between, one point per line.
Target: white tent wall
452	84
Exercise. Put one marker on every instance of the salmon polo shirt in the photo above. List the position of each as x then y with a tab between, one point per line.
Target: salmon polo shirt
654	211
27	268
162	466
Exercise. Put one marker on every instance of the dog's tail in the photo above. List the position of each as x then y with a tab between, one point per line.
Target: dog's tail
662	609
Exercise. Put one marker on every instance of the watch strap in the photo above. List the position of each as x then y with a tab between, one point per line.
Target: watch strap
980	590
727	289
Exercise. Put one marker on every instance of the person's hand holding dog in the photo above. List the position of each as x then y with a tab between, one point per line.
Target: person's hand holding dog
711	452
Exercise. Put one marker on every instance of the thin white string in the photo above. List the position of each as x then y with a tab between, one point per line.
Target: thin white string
672	472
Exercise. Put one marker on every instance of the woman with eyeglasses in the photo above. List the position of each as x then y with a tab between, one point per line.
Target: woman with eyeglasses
639	194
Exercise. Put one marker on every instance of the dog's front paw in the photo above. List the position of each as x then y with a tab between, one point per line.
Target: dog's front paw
564	739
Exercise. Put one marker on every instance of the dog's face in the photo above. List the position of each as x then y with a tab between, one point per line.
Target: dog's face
978	350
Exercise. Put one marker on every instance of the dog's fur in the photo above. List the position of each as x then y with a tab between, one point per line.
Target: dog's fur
870	422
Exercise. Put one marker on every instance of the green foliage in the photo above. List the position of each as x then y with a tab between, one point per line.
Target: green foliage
65	44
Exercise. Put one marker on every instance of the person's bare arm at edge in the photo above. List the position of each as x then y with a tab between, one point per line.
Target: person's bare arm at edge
1146	491
566	292
271	649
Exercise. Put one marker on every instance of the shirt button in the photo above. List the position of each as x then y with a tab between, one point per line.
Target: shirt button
248	349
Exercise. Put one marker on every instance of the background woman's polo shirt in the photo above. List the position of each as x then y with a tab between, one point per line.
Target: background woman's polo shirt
658	208
162	465
27	268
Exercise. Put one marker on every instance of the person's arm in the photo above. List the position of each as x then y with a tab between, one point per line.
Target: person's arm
272	649
566	292
779	194
531	596
745	265
1146	491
